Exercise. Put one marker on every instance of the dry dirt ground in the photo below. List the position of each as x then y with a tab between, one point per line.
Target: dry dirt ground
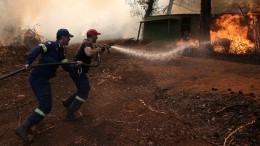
183	101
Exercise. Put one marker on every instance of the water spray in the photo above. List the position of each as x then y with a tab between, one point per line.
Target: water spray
155	55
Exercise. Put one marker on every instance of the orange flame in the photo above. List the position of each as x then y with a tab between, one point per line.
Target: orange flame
189	41
232	29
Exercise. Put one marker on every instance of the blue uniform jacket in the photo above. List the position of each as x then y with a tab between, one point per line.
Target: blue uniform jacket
51	52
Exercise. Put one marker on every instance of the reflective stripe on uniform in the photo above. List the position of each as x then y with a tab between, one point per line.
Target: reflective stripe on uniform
43	47
80	99
38	111
64	60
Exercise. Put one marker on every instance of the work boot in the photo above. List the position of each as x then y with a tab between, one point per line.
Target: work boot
74	106
67	102
23	130
72	116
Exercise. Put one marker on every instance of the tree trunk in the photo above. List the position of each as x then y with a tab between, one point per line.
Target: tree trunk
169	10
205	19
149	10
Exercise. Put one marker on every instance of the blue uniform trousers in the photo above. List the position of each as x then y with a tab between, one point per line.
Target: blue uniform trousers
42	90
78	75
81	81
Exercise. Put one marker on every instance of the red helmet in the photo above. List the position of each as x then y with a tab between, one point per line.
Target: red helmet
92	32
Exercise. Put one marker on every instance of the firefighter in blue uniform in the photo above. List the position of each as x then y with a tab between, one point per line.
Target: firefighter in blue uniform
51	52
86	52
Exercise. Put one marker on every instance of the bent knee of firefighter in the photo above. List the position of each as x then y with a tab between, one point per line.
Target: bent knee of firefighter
46	108
83	95
83	90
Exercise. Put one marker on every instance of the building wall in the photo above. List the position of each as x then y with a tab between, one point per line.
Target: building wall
158	30
195	26
171	27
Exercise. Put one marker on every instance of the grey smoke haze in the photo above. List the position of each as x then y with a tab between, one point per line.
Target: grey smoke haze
218	6
111	18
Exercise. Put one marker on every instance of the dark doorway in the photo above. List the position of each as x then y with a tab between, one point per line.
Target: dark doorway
185	27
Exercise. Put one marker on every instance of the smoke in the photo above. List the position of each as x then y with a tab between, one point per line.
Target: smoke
111	18
218	6
10	24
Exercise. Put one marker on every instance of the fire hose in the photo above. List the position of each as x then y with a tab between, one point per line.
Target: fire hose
103	47
51	64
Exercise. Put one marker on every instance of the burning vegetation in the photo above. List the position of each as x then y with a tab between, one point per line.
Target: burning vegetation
16	41
231	34
234	34
31	37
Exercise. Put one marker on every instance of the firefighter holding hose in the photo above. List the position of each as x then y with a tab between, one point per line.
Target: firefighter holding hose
51	51
86	52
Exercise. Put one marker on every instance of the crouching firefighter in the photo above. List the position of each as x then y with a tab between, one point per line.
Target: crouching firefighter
86	52
51	52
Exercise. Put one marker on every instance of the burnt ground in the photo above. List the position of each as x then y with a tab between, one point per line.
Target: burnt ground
187	101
